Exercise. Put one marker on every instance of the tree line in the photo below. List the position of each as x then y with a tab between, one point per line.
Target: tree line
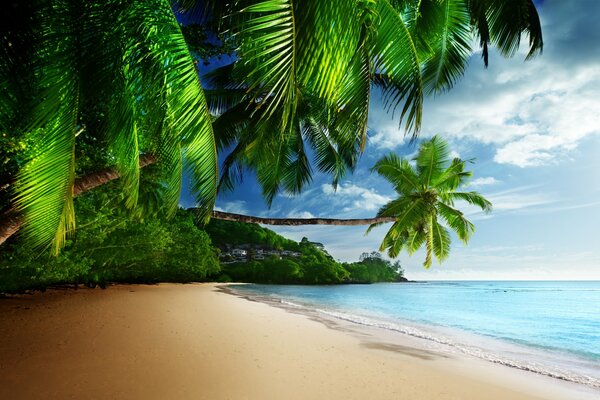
115	245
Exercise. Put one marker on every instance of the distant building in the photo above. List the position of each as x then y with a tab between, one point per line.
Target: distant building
239	252
374	255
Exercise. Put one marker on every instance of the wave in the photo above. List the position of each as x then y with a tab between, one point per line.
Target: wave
531	366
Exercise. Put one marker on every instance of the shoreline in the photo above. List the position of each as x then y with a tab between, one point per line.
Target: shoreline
445	340
193	341
419	338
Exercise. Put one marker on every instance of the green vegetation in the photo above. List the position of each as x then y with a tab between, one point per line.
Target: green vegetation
114	245
426	194
122	75
233	233
93	91
311	266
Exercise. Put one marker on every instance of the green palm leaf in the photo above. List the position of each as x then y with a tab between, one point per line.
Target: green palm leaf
399	172
471	198
397	60
456	221
268	51
45	185
431	160
450	47
441	241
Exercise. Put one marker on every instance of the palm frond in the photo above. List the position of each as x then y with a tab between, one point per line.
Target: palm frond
297	173
453	176
441	241
479	21
184	100
415	240
221	100
328	36
394	240
408	211
398	172
432	159
456	221
471	198
450	47
44	188
326	155
354	99
267	32
508	20
396	58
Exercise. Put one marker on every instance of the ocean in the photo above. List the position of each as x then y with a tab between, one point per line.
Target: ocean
548	327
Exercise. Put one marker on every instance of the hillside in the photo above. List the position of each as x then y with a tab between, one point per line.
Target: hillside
251	253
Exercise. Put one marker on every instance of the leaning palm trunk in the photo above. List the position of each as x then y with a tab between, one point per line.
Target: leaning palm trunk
299	221
12	220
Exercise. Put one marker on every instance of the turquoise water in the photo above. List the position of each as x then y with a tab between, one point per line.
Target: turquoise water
547	327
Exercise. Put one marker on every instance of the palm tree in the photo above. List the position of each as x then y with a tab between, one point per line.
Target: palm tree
427	192
305	72
118	74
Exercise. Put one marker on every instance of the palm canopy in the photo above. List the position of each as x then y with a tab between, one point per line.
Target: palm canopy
324	57
424	211
119	77
116	76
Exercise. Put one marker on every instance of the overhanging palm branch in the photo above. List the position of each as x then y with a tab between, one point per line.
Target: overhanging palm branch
130	62
292	53
121	72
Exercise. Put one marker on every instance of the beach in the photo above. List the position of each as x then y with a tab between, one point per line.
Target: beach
195	341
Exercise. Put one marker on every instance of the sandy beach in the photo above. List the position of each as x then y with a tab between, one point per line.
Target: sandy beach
195	342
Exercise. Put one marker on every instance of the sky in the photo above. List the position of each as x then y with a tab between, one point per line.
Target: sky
533	128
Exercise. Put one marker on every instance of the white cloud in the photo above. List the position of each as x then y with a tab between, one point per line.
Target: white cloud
521	199
351	197
300	214
234	206
530	113
484	181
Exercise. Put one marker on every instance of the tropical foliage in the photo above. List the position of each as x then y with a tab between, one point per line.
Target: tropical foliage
303	80
113	245
116	73
427	189
119	75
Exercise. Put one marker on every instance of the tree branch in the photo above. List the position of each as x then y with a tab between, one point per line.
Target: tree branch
299	221
12	220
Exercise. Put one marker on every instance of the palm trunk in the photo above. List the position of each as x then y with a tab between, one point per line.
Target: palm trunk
299	221
11	221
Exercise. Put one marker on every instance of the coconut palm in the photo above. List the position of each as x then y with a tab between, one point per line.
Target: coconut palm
118	74
324	58
425	207
112	73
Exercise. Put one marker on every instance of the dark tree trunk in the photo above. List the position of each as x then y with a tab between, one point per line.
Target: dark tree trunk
11	221
299	221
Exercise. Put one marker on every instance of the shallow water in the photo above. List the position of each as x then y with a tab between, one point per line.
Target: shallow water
549	327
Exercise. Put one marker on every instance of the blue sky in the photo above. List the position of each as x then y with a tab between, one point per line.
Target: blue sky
534	129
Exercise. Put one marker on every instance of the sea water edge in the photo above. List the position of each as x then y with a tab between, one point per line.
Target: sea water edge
547	327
